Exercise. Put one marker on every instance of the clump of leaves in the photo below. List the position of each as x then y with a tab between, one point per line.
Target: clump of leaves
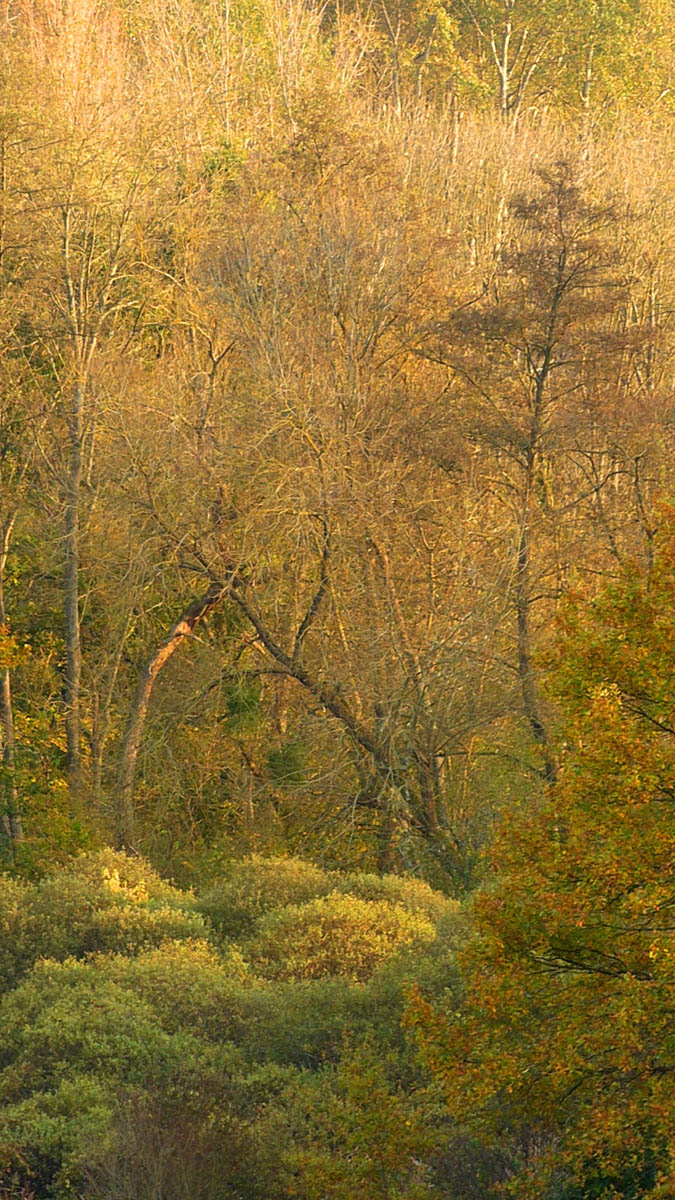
188	985
334	935
252	887
83	1047
286	765
357	1132
106	901
242	704
412	894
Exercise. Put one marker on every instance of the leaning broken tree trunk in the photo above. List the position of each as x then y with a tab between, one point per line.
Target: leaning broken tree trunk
125	817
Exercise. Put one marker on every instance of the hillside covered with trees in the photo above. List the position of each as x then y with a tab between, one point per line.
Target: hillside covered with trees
337	600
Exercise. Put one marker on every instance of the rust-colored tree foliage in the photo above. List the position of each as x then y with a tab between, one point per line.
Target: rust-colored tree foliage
564	1045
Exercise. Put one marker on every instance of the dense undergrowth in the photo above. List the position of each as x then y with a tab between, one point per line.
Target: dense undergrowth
242	1043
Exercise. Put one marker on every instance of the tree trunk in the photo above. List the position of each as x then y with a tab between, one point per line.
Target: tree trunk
501	57
525	669
72	596
540	374
11	817
139	710
10	820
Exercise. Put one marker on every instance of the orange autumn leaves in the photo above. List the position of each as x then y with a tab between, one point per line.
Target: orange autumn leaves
565	1044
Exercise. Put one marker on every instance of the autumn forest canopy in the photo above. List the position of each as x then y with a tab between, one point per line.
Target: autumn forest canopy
337	600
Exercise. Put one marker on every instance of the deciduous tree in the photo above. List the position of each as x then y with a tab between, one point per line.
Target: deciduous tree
564	1044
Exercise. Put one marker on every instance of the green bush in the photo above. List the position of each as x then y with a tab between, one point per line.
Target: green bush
100	902
69	1018
433	969
308	1022
357	1133
128	873
303	1024
139	1058
335	935
15	902
257	885
412	894
189	986
78	1047
45	1138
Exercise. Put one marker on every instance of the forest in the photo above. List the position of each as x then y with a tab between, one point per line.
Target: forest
337	600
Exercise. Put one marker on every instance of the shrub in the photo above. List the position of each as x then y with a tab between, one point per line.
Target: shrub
414	895
129	874
68	1018
189	986
42	1137
334	935
15	901
77	1048
101	902
184	1146
356	1133
257	885
433	969
301	1023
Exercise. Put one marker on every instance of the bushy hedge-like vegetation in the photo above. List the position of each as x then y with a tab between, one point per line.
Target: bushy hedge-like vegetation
106	901
255	886
334	935
143	1056
414	895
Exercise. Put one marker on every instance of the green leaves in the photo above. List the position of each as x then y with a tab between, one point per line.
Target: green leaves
155	1055
242	705
334	935
100	903
286	765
